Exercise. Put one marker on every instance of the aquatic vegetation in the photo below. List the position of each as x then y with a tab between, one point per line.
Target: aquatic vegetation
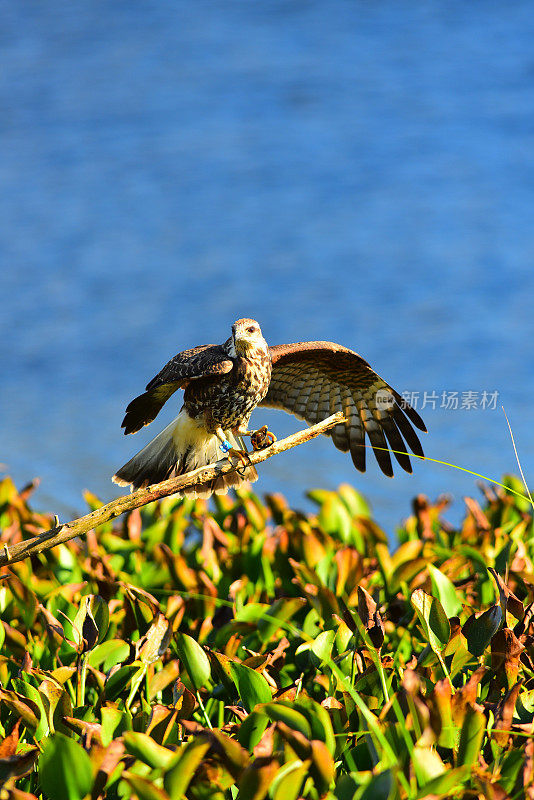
248	650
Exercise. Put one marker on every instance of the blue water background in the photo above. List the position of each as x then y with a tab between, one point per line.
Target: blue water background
354	171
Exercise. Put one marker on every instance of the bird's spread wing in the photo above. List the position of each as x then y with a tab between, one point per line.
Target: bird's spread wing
199	362
316	379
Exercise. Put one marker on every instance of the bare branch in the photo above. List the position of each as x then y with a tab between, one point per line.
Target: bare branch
62	533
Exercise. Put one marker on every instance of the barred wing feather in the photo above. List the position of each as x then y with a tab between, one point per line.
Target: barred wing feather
199	362
313	380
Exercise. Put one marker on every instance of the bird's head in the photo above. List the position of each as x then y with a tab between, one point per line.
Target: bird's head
246	336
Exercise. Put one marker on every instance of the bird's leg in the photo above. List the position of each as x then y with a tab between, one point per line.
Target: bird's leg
232	452
261	438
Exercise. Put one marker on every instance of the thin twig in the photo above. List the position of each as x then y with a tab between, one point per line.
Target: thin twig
517	456
62	533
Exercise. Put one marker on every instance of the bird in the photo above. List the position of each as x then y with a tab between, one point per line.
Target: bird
224	383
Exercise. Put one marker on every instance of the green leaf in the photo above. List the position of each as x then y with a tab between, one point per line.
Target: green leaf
356	503
24	597
442	702
318	496
120	680
107	654
24	707
135	683
194	659
252	729
427	764
460	658
182	768
144	788
251	686
479	631
280	611
514	483
322	645
347	788
251	612
444	784
288	782
405	573
471	736
510	768
114	722
379	788
334	518
443	589
29	691
283	711
319	720
65	769
147	750
433	619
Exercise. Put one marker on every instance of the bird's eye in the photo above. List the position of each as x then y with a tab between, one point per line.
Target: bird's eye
251	329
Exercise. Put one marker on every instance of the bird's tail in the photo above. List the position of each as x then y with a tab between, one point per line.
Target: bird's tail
182	446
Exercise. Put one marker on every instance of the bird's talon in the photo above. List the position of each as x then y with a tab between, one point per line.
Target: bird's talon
243	457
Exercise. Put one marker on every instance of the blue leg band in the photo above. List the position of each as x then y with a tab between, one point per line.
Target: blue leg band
225	446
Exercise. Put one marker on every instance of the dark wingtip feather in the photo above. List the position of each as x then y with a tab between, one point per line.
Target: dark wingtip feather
416	419
141	411
131	427
407	431
410	412
379	445
385	463
132	424
396	443
404	462
357	453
